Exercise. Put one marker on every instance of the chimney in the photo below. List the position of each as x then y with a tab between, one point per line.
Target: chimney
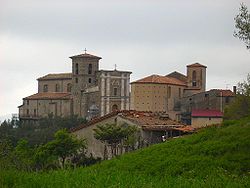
234	89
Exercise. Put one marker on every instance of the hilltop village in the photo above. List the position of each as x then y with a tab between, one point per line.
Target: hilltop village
160	105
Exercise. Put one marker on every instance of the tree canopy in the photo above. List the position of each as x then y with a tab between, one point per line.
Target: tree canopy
240	107
242	25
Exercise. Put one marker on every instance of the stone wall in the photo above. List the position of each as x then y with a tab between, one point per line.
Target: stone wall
156	98
62	85
205	121
41	108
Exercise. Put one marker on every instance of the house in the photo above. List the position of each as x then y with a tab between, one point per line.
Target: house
152	128
203	118
214	99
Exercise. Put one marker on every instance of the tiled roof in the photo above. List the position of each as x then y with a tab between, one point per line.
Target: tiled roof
178	76
49	95
196	65
56	76
224	92
148	121
86	55
157	79
206	113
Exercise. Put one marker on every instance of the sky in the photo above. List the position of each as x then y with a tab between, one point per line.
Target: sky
146	37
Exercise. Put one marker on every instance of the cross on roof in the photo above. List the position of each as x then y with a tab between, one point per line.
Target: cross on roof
115	66
85	50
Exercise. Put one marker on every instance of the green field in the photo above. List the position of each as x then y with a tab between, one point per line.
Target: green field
214	157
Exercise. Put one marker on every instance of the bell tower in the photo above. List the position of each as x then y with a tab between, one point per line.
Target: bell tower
196	77
84	69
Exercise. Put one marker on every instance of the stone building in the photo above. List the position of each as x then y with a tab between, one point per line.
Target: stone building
164	93
86	91
214	99
203	118
152	127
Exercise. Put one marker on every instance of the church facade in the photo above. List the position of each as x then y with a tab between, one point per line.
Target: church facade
86	91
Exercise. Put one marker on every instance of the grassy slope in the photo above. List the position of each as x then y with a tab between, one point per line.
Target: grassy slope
214	157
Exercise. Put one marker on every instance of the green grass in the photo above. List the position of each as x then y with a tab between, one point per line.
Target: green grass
214	157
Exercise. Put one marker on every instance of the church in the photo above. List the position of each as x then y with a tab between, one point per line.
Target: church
86	91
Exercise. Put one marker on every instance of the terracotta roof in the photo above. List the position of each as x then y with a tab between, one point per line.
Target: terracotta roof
56	76
157	79
94	121
49	95
148	121
224	92
196	65
178	76
86	55
206	113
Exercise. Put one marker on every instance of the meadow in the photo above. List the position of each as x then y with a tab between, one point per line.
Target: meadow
213	157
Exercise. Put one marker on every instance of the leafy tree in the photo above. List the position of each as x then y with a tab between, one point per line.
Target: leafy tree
112	135
37	133
65	145
242	25
23	155
240	107
6	155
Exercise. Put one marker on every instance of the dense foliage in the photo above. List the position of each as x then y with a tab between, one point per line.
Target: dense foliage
65	148
214	157
240	107
39	132
116	136
242	25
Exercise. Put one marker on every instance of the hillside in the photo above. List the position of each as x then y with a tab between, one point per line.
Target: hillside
214	157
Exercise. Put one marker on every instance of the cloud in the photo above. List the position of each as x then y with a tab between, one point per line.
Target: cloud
143	36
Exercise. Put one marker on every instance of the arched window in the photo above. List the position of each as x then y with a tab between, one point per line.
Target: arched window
169	92
57	88
114	108
194	75
90	69
90	80
76	67
194	78
115	91
68	87
45	88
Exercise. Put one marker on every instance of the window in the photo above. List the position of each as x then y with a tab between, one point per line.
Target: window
28	102
76	80
57	88
68	87
90	80
45	88
206	95
34	112
227	100
115	91
90	69
179	93
76	71
27	112
114	107
169	91
194	78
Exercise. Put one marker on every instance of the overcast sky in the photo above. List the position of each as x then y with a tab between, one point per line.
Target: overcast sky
143	36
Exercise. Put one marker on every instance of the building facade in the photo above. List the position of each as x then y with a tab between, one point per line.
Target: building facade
164	93
86	91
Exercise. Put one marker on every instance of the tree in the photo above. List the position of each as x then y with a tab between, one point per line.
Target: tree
242	25
112	135
23	154
240	107
65	145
